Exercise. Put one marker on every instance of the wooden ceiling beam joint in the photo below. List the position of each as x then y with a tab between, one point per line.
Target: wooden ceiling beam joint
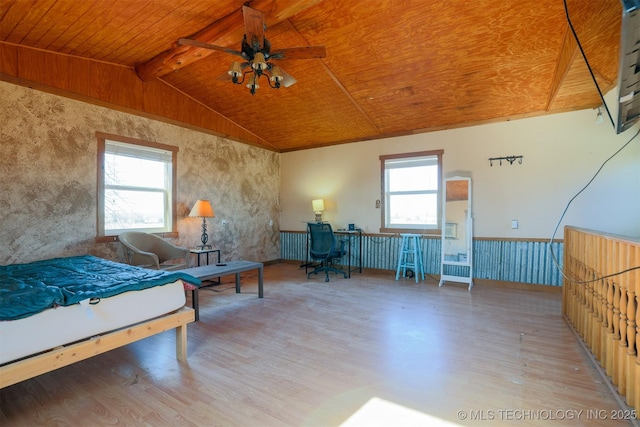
566	58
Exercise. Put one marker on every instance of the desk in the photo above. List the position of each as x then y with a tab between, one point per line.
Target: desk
208	272
350	235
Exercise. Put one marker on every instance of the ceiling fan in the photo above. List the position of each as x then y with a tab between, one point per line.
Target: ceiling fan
257	55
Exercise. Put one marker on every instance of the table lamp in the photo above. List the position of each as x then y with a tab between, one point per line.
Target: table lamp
203	209
318	207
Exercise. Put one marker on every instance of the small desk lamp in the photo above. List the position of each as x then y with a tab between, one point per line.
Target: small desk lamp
318	207
203	209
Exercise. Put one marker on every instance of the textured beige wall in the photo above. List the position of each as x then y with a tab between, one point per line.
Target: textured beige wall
48	181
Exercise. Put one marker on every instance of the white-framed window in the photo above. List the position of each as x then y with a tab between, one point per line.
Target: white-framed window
411	184
136	186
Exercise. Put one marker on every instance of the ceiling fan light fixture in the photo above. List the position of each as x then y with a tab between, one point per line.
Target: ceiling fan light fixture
259	63
235	70
255	51
276	74
253	84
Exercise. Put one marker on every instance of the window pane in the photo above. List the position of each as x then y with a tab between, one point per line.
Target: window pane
411	188
135	186
413	179
129	171
134	210
419	209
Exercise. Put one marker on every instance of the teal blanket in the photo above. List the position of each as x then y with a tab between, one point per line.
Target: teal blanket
27	289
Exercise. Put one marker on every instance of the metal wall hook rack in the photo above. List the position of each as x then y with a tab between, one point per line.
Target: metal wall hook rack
509	159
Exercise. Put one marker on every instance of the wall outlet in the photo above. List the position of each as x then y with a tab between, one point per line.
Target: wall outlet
514	223
224	222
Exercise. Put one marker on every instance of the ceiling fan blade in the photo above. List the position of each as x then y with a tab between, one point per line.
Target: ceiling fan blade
196	43
224	77
288	79
253	27
306	52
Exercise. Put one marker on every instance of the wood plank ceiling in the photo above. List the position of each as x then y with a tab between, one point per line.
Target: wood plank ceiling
393	67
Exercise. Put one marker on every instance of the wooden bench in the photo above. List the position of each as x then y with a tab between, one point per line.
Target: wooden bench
214	271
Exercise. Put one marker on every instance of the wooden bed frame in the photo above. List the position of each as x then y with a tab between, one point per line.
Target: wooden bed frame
41	363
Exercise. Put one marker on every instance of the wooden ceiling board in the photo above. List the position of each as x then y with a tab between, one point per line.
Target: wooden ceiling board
459	92
394	67
33	28
56	24
322	101
20	17
381	72
68	25
171	25
82	30
338	117
106	25
119	31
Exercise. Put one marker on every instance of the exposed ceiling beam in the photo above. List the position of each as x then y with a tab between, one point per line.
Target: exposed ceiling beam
226	31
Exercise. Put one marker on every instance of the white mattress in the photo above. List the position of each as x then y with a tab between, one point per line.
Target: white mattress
63	325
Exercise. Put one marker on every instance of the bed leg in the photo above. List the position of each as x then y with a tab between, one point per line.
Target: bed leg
181	342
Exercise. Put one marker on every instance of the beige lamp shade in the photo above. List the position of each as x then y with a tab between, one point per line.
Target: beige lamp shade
202	209
318	207
259	63
276	75
235	70
253	82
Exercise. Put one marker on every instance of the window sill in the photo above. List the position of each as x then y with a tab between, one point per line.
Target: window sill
426	231
109	239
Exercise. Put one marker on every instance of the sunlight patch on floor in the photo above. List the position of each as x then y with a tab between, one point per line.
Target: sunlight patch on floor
379	412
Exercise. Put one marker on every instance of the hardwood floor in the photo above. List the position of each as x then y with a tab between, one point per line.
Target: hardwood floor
364	351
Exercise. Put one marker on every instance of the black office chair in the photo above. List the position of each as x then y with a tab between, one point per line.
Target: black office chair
325	248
